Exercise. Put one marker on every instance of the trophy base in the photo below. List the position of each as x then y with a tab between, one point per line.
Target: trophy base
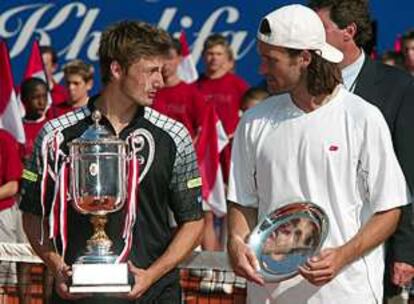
103	289
100	278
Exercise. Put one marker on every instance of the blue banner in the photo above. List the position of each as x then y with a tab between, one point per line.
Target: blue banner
73	28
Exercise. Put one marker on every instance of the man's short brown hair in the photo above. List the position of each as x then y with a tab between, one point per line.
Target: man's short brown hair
127	42
78	67
217	39
47	49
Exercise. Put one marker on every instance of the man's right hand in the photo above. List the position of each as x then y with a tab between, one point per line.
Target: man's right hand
402	274
62	276
243	260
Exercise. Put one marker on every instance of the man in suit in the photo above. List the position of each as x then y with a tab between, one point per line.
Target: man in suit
348	27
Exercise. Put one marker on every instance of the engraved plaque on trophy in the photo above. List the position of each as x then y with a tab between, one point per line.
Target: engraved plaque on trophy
287	237
98	188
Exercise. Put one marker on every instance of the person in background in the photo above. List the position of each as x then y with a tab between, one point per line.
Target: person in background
50	60
408	51
10	223
183	102
34	97
348	27
78	77
222	88
177	99
253	97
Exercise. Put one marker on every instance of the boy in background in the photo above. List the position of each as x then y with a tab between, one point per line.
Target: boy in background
34	98
78	77
252	97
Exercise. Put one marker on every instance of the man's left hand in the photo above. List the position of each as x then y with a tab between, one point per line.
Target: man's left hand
402	274
143	280
322	268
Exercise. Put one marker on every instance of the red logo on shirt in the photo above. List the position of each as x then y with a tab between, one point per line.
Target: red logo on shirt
333	148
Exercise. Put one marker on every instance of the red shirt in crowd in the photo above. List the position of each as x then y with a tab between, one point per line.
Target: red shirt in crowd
184	103
31	130
57	110
10	165
225	94
59	94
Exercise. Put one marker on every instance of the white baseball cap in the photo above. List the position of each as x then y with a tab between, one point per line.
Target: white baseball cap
297	27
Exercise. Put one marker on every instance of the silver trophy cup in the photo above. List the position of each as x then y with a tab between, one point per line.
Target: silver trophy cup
287	237
98	187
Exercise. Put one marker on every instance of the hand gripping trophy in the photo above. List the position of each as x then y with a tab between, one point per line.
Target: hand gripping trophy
98	179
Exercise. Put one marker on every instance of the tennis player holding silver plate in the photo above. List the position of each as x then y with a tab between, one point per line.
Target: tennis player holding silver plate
287	237
315	141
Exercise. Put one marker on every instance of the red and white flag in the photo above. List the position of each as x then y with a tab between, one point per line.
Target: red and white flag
36	68
210	143
187	70
10	114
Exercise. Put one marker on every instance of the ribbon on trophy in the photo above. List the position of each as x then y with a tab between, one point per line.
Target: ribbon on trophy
132	204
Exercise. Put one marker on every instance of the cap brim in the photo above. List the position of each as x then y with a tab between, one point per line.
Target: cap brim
331	53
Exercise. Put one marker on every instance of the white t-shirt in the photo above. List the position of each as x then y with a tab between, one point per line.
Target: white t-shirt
340	157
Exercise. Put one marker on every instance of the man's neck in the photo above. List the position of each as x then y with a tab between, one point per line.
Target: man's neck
79	103
351	54
117	108
34	117
172	81
216	74
306	101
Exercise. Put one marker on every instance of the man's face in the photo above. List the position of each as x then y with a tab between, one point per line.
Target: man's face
216	59
37	101
77	87
408	51
171	63
282	73
142	80
334	35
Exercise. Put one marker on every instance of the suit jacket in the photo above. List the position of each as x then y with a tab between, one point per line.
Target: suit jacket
392	91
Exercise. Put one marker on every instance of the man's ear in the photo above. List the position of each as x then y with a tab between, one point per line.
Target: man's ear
350	31
116	70
89	84
306	58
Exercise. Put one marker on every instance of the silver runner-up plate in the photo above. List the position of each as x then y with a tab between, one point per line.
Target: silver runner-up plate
287	237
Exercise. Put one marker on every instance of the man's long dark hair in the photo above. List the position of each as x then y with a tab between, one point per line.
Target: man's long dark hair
322	76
